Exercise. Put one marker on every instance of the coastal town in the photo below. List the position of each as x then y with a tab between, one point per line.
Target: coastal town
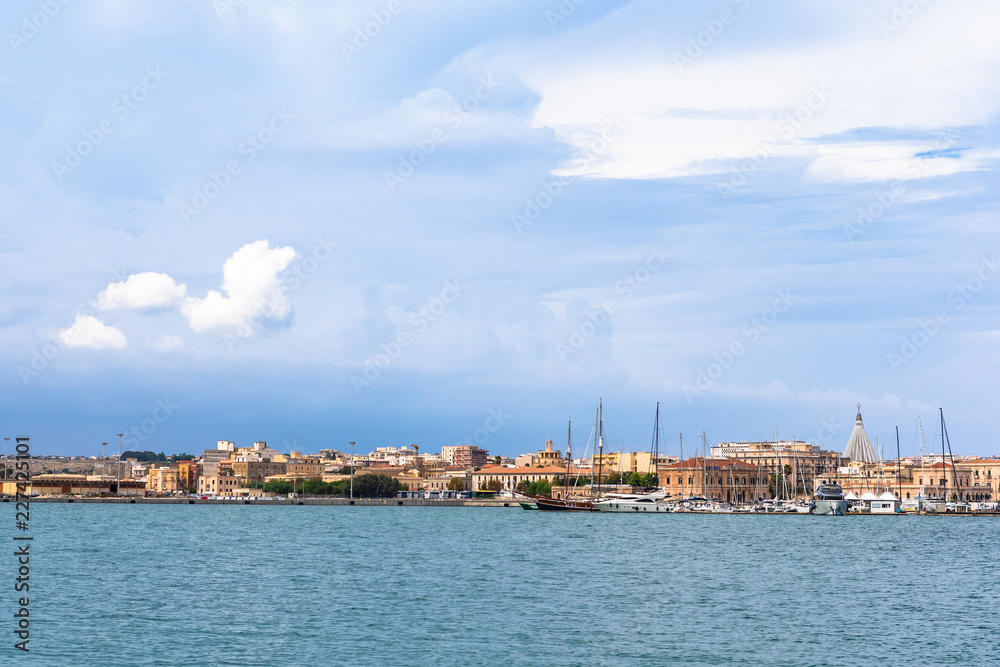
724	474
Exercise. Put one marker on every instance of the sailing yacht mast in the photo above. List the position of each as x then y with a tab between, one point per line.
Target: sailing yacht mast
600	440
569	454
682	465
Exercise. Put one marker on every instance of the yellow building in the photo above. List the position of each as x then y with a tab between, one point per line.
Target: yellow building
162	480
222	485
724	479
257	470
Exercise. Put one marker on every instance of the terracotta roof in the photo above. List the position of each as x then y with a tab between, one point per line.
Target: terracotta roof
698	462
500	470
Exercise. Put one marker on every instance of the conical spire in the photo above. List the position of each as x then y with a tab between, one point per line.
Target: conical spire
859	448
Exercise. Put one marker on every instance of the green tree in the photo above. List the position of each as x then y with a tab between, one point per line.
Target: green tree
497	459
370	485
494	485
315	487
456	484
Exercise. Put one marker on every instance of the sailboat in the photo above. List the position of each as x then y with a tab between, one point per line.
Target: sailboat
639	502
567	504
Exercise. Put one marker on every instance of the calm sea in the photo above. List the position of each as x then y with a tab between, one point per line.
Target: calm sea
299	585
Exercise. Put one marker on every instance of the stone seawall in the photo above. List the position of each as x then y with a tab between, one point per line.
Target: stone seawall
359	502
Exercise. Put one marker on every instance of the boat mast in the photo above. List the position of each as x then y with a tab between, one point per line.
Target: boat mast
654	449
600	440
899	480
944	463
954	471
682	465
569	455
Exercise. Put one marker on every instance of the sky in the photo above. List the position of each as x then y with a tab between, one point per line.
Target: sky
447	222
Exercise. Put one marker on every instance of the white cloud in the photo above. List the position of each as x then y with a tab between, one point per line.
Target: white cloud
88	331
936	72
253	290
142	291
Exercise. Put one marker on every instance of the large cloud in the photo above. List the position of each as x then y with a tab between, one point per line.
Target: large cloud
253	290
88	331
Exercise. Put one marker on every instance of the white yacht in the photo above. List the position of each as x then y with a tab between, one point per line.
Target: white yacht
634	502
829	500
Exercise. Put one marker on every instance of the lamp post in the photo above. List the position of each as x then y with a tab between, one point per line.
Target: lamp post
104	461
352	471
118	468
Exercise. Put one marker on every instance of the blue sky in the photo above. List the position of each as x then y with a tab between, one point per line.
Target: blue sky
310	224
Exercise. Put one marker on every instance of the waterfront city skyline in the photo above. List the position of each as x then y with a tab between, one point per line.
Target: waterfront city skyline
384	224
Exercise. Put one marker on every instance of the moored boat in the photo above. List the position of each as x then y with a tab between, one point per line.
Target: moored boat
636	502
829	500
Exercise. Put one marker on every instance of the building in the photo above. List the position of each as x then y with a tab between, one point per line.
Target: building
859	448
509	478
75	485
162	480
625	463
468	456
799	463
984	473
187	474
303	466
256	470
724	479
222	485
548	456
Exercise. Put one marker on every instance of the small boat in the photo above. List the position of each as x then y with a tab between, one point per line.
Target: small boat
829	500
527	505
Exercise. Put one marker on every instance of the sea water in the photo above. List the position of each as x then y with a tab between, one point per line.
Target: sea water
302	585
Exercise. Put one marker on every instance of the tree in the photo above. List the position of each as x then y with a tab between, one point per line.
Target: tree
494	485
370	485
456	484
315	487
497	459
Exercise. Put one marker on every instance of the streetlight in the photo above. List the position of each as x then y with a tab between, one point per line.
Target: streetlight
104	461
352	471
118	468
